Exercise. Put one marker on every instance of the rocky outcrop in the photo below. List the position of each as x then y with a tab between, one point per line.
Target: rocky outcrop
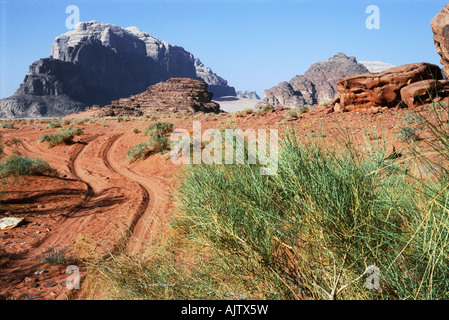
440	29
426	91
377	66
95	64
317	85
217	85
174	96
248	95
370	90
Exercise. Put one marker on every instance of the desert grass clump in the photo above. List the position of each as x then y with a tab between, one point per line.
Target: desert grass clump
159	128
156	143
141	151
54	124
292	114
7	125
65	136
56	255
408	134
18	165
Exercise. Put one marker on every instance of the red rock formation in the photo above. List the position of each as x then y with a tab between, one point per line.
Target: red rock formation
426	91
174	96
440	28
369	90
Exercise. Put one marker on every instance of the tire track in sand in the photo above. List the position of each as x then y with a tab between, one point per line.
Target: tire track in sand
143	226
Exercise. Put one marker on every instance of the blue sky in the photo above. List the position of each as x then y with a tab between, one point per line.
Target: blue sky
254	44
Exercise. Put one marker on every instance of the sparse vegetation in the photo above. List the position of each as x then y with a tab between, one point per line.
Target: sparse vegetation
65	136
18	165
158	129
56	255
54	124
7	125
157	141
311	231
408	134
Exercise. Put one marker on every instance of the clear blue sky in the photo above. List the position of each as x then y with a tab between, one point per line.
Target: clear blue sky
254	44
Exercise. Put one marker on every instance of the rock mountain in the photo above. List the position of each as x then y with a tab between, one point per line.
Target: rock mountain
317	85
97	63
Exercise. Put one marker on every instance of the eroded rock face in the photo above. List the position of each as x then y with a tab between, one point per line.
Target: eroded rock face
217	85
317	85
369	90
248	95
174	96
423	92
440	28
95	64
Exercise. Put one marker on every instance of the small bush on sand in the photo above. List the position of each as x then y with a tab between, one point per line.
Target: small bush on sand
159	128
18	165
66	136
408	134
7	125
141	151
54	124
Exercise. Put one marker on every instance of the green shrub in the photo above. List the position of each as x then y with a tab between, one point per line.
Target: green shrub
141	151
54	124
292	114
66	136
159	128
408	134
18	165
7	125
53	255
267	108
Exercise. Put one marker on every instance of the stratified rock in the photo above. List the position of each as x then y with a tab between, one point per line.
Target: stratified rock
377	66
440	28
217	85
369	90
317	85
422	92
248	95
174	96
95	64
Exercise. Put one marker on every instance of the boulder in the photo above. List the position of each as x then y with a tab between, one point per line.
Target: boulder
422	92
440	29
369	90
174	96
10	223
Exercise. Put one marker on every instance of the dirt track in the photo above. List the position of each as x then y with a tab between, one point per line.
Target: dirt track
119	208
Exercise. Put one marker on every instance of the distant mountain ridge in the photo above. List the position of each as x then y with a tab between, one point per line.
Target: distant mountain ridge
97	63
377	66
317	85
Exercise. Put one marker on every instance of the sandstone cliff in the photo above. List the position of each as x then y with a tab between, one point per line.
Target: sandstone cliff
97	63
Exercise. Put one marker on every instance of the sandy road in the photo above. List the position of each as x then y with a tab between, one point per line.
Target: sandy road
120	208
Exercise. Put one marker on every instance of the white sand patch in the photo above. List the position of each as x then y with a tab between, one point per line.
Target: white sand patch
234	104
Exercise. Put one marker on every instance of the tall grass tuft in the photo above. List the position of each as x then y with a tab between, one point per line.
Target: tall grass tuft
18	165
157	141
65	136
